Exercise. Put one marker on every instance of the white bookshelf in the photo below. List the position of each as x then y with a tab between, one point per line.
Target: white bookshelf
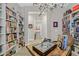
6	48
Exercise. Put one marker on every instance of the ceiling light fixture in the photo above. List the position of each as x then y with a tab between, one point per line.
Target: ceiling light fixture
49	6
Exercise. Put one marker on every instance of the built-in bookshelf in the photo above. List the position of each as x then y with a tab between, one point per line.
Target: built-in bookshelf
9	35
69	26
21	30
11	30
76	40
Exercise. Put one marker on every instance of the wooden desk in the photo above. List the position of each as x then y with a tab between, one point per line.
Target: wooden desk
58	52
55	52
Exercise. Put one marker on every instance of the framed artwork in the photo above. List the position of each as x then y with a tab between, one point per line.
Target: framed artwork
55	24
38	27
30	26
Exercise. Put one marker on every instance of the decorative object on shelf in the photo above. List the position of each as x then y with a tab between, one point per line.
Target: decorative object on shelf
65	41
30	26
68	11
55	24
76	7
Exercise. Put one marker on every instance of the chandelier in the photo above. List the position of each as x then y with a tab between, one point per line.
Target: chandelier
49	6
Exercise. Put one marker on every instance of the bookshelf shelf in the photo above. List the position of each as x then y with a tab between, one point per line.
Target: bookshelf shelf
8	29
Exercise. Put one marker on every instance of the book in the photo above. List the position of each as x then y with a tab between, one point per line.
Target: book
8	26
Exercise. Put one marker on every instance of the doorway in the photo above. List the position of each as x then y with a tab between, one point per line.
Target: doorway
37	26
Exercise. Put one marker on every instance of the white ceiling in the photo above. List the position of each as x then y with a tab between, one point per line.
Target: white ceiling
25	4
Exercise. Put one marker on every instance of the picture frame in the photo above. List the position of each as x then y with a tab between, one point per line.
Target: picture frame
55	24
30	26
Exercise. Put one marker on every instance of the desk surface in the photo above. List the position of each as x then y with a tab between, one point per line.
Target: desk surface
55	52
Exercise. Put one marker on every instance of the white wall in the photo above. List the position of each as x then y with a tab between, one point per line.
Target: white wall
55	15
44	26
31	19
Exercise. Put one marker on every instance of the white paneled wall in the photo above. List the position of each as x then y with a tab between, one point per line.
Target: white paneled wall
44	26
30	31
55	15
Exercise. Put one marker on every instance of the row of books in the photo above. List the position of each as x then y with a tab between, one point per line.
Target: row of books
11	26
